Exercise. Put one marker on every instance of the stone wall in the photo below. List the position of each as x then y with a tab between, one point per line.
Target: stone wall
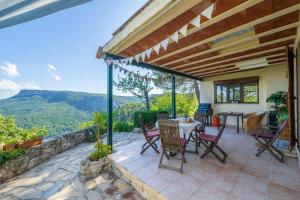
49	147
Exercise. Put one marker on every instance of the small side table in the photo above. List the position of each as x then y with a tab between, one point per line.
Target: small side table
234	114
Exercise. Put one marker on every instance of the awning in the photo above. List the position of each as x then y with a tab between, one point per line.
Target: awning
203	38
14	12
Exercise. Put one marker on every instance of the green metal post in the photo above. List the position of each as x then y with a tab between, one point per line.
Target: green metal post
173	80
109	103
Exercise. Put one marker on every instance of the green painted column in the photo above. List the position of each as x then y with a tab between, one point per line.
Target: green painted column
109	103
173	80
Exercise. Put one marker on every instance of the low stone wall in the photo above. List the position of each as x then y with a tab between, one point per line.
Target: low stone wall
36	155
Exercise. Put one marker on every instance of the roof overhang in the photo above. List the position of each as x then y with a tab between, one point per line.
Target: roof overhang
240	31
14	12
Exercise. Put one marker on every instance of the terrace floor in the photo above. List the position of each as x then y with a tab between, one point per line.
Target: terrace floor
58	178
244	176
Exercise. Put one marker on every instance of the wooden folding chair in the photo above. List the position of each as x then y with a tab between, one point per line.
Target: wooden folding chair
266	138
162	115
211	142
171	141
200	117
151	136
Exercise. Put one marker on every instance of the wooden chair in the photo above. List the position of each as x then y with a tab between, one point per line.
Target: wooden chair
211	142
200	117
266	138
151	136
171	141
162	115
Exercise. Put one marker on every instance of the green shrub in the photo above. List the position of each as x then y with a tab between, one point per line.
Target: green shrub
10	155
32	134
123	126
101	151
148	116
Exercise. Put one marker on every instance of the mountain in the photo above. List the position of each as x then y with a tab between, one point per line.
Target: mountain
59	111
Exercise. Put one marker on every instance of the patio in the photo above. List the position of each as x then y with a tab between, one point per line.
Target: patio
244	176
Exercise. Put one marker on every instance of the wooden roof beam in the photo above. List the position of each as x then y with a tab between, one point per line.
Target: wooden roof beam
218	36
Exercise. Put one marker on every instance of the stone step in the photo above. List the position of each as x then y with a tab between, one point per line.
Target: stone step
140	186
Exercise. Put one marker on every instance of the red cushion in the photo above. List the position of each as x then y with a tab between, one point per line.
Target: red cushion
207	137
265	134
182	142
152	133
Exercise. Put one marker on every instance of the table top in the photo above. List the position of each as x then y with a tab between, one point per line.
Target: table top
231	113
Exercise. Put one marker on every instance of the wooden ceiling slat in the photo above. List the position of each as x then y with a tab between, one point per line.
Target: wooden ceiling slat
230	57
266	18
236	6
269	45
197	73
267	52
276	33
237	70
220	65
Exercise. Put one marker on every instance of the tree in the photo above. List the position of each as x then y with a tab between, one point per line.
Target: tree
182	84
186	104
139	87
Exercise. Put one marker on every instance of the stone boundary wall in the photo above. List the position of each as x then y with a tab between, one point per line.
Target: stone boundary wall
49	147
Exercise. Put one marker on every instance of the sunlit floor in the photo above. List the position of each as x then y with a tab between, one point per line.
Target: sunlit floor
243	177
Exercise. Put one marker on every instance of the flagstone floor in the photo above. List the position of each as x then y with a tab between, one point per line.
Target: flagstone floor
243	177
58	178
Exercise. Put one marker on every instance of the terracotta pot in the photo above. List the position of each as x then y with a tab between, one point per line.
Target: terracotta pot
30	143
7	147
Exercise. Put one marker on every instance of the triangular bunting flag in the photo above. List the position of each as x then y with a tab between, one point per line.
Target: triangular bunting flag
183	30
196	21
165	43
130	60
208	11
148	52
143	55
174	37
137	57
156	48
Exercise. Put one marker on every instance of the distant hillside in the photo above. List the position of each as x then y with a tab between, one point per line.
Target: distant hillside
88	102
59	111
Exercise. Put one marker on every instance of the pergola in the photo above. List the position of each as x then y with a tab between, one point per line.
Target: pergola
240	35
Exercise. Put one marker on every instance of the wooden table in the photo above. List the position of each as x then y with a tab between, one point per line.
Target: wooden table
234	114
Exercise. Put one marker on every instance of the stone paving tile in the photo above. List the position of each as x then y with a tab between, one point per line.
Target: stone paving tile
58	178
243	177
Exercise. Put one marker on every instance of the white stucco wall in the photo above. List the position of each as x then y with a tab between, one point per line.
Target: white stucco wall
271	79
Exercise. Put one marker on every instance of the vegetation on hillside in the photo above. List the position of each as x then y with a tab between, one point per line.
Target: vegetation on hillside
57	111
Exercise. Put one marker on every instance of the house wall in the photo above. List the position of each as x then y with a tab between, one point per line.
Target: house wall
271	79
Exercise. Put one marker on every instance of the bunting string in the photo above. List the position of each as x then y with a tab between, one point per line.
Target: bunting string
122	70
196	22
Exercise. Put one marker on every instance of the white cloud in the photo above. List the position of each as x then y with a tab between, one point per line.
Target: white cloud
9	85
9	69
51	70
29	85
51	67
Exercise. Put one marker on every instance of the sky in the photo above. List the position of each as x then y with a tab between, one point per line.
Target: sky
57	52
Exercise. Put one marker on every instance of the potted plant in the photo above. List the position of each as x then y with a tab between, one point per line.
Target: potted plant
33	137
98	160
8	143
280	105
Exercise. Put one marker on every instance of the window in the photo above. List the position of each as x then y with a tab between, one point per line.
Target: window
243	90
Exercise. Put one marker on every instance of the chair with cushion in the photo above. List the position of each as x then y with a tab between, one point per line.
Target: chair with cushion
200	117
171	141
253	121
210	142
151	136
266	139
